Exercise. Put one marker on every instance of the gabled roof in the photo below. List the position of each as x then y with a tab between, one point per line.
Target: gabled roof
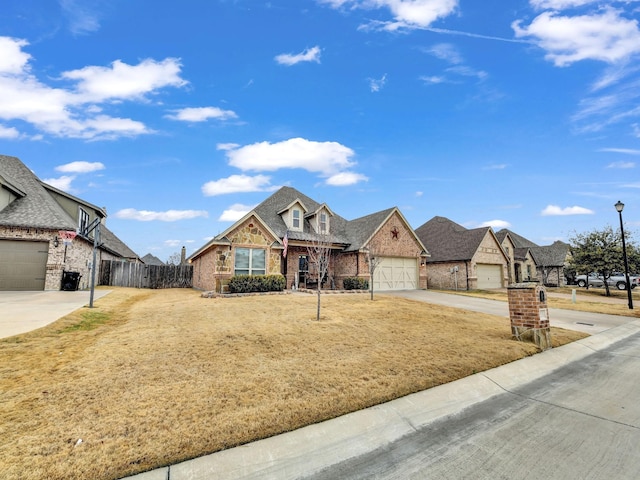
554	255
111	243
447	241
280	200
150	259
518	241
100	211
35	208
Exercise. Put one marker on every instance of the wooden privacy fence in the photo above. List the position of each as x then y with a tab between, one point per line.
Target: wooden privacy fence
138	275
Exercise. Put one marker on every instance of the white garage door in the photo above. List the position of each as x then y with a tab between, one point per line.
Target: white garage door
23	265
489	276
393	273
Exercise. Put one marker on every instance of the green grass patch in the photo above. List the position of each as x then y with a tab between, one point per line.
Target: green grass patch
90	320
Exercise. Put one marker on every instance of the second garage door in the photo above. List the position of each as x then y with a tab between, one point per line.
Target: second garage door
23	264
489	276
395	273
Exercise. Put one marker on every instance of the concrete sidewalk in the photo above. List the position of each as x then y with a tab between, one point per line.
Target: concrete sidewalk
306	451
21	312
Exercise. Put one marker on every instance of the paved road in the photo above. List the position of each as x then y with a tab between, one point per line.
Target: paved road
567	413
582	421
570	319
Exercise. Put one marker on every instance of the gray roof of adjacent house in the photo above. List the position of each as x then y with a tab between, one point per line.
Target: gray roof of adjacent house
150	259
447	241
35	208
554	255
518	241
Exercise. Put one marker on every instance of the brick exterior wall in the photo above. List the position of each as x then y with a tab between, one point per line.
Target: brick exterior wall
77	259
214	266
440	275
529	314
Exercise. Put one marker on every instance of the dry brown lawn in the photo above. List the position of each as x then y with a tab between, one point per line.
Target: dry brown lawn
593	300
152	377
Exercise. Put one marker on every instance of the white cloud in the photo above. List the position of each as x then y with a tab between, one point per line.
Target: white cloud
327	158
626	151
419	194
81	15
554	210
237	184
406	13
467	72
604	36
376	84
308	55
235	212
496	224
123	81
202	114
8	132
435	79
75	111
343	179
168	216
80	167
559	4
621	165
496	166
61	183
227	146
447	52
172	243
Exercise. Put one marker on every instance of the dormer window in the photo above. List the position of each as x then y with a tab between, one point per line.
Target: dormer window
295	224
322	223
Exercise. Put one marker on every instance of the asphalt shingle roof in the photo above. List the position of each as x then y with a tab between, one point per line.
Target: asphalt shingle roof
150	259
447	241
36	209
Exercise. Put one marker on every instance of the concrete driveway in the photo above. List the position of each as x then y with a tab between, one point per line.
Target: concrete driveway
22	312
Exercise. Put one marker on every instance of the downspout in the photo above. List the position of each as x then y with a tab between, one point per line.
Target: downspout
466	266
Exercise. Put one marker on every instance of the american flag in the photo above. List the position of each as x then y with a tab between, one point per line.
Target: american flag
285	242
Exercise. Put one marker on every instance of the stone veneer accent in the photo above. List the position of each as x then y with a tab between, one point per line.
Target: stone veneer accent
529	314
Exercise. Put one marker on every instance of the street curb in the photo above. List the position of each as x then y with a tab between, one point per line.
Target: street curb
310	449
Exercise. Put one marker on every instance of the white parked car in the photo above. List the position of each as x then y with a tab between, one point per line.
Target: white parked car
617	280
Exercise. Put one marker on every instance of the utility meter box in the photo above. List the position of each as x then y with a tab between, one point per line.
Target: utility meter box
529	314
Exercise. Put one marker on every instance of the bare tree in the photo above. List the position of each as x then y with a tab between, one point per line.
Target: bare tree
174	259
373	260
319	252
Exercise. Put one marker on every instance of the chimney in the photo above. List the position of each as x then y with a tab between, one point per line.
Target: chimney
183	256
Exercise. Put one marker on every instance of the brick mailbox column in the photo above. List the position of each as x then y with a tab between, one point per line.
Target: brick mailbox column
529	314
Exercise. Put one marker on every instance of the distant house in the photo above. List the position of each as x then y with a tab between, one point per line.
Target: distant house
150	259
461	258
548	261
522	266
34	217
274	238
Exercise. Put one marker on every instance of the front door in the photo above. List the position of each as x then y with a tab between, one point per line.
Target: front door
303	270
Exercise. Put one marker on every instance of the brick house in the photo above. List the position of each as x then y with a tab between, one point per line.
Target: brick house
463	259
255	244
32	216
522	266
547	262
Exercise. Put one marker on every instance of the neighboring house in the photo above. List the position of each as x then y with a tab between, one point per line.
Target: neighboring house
547	262
461	258
274	238
33	255
150	259
522	266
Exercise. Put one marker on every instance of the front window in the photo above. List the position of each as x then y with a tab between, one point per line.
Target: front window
250	261
296	219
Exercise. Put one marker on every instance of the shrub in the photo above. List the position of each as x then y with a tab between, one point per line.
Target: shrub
256	283
355	283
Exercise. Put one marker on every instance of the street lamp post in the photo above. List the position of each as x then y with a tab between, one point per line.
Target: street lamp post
619	207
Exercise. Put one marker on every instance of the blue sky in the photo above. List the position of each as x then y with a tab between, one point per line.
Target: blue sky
179	117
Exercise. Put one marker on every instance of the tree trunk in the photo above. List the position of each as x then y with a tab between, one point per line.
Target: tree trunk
318	312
